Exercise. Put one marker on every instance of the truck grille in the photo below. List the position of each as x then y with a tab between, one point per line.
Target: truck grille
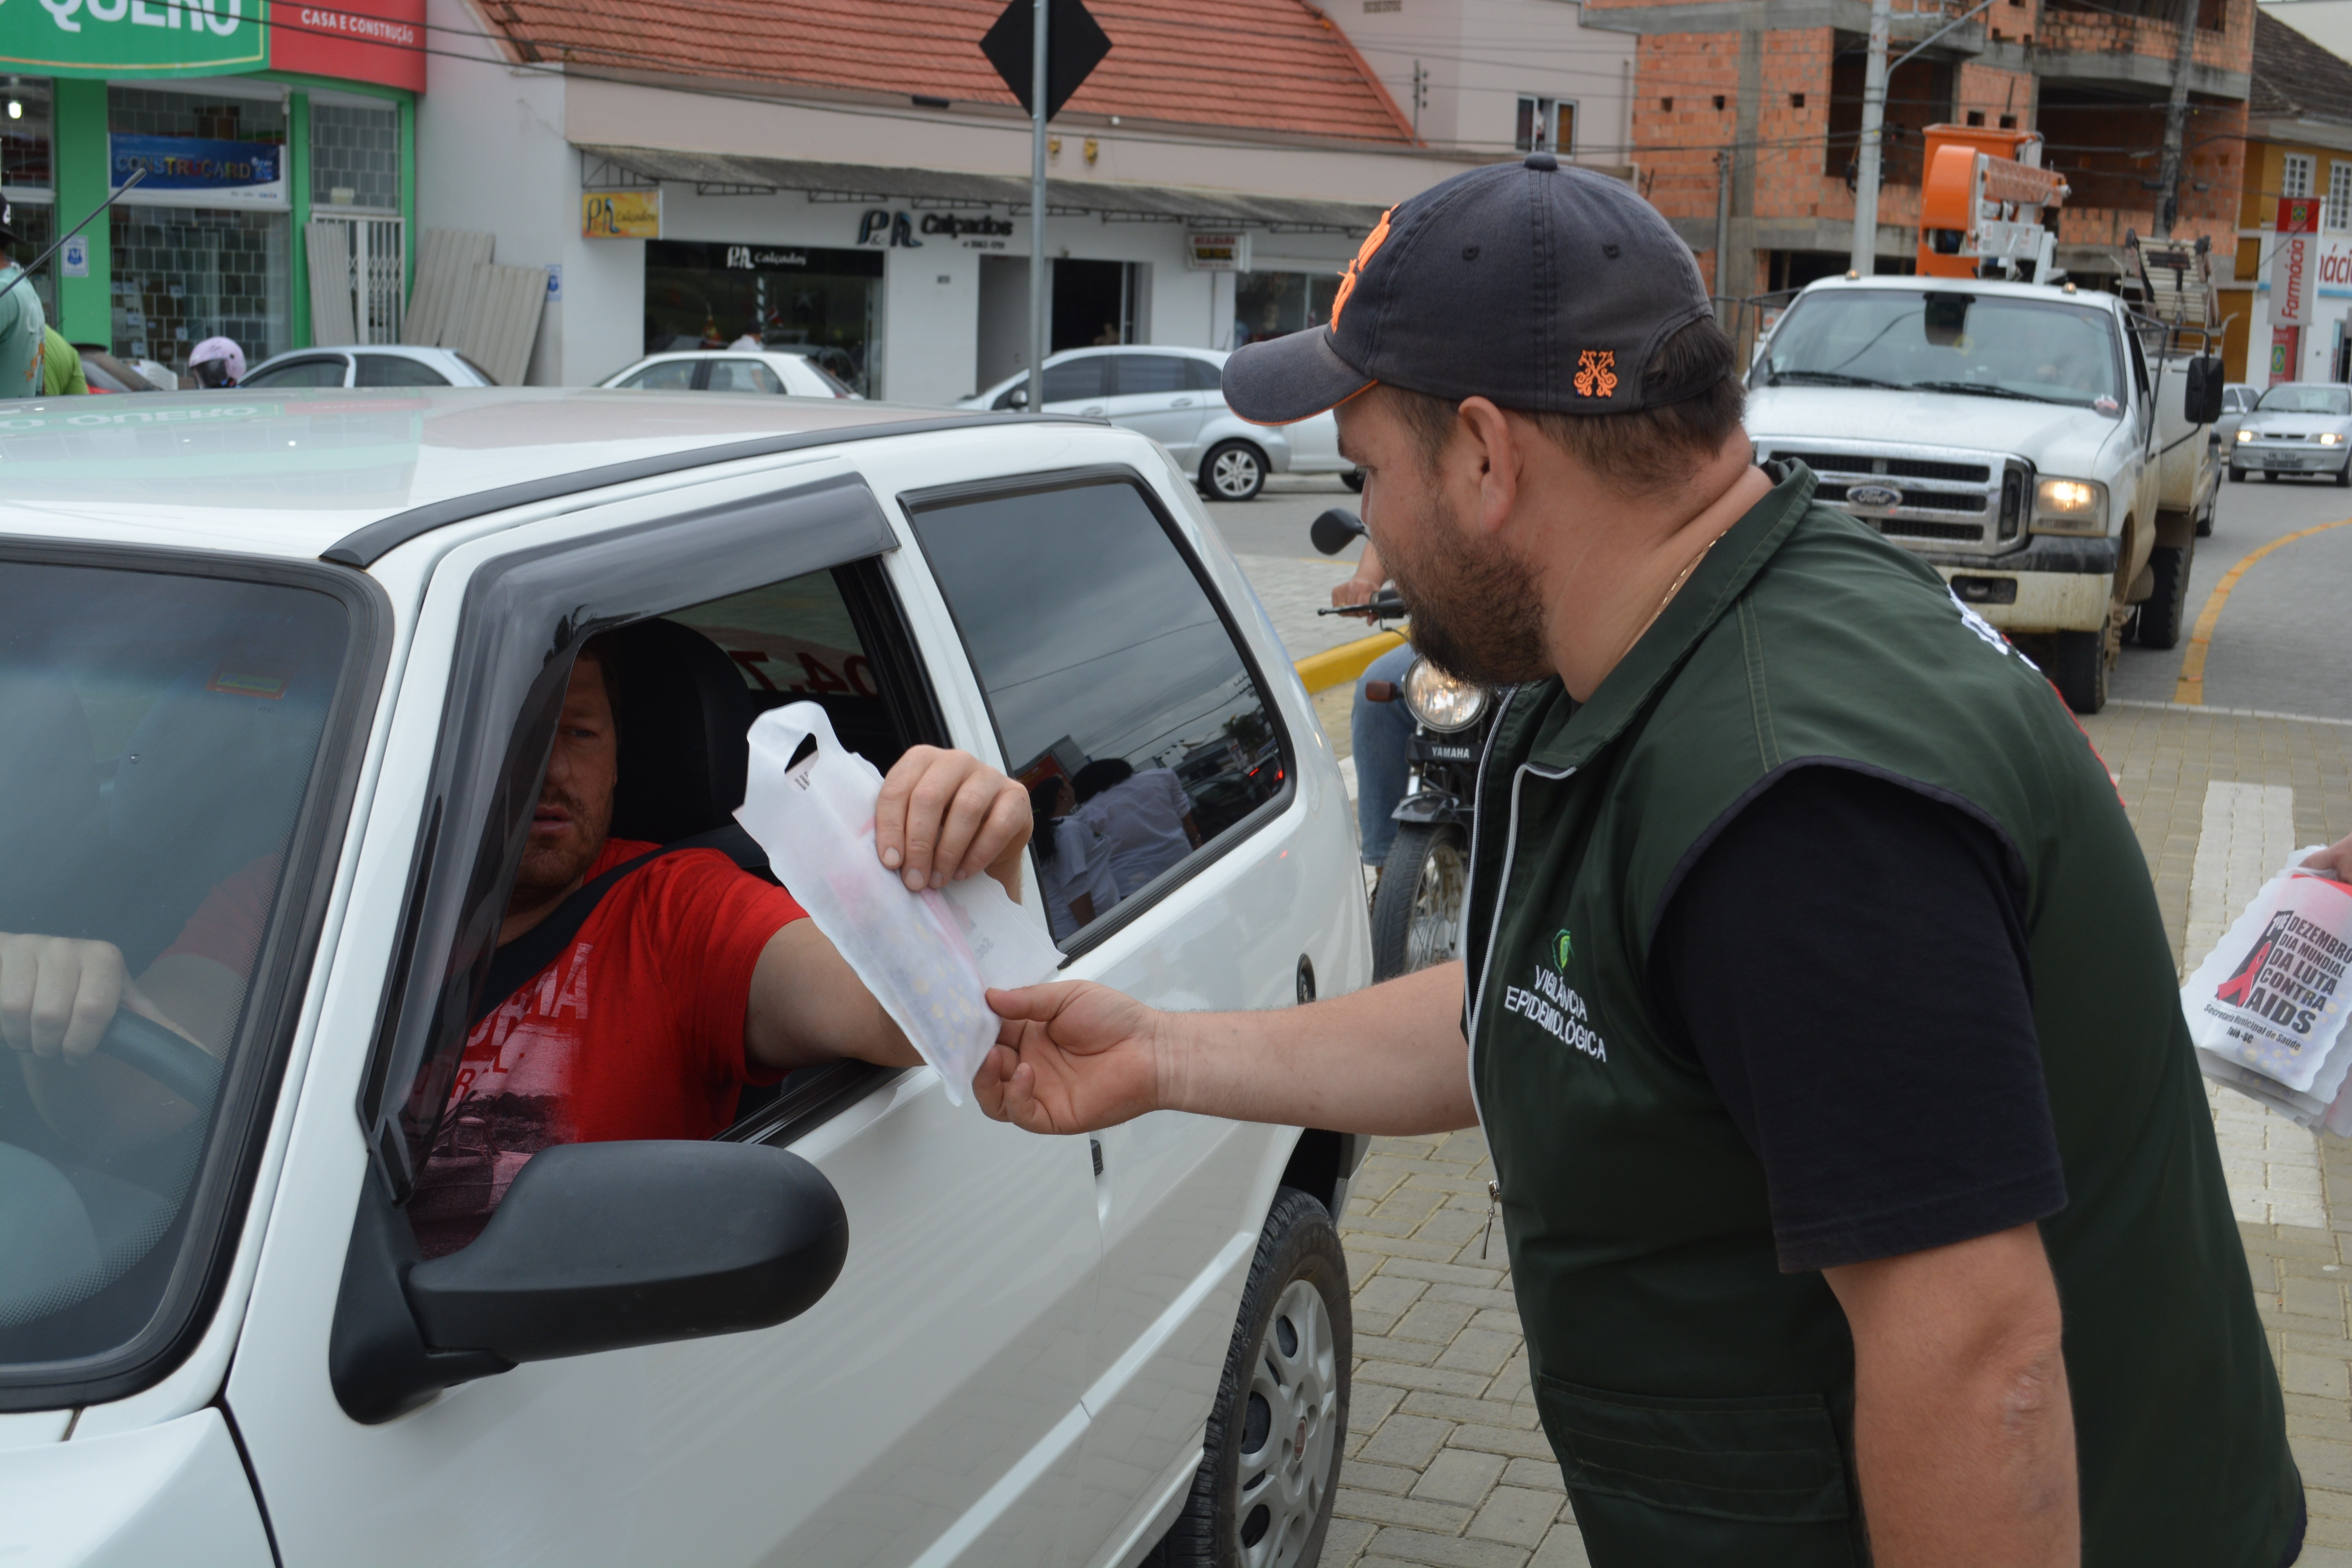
1929	497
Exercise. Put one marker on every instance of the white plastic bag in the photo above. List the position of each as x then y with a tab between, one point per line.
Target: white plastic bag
927	957
2267	1008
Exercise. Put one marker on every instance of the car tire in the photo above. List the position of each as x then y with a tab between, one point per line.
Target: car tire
1417	913
2078	668
2158	623
1233	470
1271	1504
2237	476
1354	479
2343	475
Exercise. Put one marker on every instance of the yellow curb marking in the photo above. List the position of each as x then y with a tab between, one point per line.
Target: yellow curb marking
2192	686
1322	671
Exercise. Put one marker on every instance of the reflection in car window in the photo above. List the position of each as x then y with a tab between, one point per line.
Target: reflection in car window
2295	398
669	376
299	372
157	734
742	375
1203	376
1949	340
1109	671
396	370
1073	379
1150	373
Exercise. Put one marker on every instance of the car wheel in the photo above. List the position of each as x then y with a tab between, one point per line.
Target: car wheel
1354	479
1233	470
1417	913
2078	668
2158	624
2343	475
2237	476
1270	1460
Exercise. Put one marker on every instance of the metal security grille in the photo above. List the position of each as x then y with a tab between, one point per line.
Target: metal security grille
355	156
186	274
355	280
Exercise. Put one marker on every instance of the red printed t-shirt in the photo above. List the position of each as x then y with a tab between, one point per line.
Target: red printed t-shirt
634	1031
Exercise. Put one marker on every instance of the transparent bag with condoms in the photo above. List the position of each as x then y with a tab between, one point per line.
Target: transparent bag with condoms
2266	1008
928	957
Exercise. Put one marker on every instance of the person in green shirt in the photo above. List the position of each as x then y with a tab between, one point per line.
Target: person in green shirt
61	372
22	324
1859	1186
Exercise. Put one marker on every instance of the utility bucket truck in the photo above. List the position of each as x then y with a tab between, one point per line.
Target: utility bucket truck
2045	445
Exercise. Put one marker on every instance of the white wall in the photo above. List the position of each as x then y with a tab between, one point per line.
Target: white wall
1480	56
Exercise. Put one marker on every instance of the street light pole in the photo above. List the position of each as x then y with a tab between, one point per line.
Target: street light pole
2176	125
1864	257
1039	335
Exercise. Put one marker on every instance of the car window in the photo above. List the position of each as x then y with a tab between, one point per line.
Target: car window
488	379
742	375
159	732
1203	376
299	372
396	370
1149	373
1108	668
668	376
1074	379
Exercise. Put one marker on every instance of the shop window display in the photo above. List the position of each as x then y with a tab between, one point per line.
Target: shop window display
1274	304
25	173
824	304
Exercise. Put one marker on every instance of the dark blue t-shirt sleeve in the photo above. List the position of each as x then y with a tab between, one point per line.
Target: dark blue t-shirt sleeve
1846	962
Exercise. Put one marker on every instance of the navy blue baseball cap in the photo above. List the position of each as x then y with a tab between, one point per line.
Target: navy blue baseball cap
1545	289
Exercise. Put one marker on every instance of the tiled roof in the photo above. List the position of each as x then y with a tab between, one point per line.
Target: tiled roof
1246	64
2295	79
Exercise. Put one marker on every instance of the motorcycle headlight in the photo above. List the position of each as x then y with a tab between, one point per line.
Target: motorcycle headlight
1440	701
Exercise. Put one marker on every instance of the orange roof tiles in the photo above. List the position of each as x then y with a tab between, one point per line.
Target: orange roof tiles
1246	64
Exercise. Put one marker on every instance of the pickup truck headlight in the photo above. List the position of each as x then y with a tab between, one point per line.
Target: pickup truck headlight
2070	506
1439	700
2244	434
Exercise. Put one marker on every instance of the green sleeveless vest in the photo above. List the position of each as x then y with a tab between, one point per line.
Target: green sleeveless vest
1701	1401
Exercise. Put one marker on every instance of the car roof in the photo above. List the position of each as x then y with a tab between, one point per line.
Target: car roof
1995	287
786	352
291	472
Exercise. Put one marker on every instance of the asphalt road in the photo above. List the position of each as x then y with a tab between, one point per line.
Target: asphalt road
1275	523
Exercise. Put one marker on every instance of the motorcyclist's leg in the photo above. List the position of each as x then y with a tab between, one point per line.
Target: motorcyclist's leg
1381	732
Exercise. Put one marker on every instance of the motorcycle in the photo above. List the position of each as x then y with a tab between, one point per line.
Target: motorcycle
1422	901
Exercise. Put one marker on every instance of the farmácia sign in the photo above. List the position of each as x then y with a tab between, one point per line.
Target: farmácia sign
135	37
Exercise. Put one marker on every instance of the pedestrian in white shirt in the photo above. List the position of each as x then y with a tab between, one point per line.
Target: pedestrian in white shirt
1073	862
1146	818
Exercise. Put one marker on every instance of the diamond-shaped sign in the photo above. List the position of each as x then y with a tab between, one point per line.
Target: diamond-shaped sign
1075	45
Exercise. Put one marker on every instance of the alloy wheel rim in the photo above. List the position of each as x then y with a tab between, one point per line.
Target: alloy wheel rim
1291	1419
1233	473
1435	929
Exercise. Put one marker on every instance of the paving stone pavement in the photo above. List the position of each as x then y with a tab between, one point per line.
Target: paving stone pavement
1446	1464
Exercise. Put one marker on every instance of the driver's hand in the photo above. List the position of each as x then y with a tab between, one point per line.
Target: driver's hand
58	995
1354	591
946	815
1070	1057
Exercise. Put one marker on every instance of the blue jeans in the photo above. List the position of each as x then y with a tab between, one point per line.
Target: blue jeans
1381	731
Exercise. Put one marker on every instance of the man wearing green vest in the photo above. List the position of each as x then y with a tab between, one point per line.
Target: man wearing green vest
1860	1193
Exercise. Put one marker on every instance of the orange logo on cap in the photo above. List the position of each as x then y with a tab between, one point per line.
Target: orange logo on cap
1596	374
1372	242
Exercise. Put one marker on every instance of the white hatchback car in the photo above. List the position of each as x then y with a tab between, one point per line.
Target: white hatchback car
367	364
1176	396
732	369
295	667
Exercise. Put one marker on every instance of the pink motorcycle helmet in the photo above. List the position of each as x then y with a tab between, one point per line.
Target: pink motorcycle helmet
226	360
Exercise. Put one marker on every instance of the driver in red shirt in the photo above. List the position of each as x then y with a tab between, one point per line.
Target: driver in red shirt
691	979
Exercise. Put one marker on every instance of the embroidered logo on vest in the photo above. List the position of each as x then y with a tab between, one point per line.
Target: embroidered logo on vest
1556	1007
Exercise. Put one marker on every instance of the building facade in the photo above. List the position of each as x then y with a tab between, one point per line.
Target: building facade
278	144
2298	145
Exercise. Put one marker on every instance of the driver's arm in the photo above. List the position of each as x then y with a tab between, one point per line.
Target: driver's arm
942	816
1369	578
58	995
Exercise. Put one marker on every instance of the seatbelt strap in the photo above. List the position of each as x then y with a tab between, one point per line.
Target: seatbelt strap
518	962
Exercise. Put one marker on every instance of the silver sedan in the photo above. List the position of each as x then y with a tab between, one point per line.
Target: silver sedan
2297	427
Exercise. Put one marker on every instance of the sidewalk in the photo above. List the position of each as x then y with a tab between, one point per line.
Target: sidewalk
1446	1465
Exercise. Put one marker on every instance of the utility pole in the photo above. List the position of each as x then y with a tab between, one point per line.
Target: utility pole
1040	296
2175	124
1722	222
1420	96
1864	258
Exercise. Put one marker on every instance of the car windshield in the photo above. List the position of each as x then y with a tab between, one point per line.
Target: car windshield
157	736
1952	340
2294	399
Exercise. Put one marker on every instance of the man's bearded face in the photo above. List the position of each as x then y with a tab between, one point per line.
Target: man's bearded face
575	804
1477	613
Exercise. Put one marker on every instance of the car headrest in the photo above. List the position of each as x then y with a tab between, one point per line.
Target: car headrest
683	713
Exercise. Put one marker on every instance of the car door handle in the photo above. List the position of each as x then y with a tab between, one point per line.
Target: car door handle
1182	402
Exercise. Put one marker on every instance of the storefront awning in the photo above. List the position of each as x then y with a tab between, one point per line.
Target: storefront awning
947	189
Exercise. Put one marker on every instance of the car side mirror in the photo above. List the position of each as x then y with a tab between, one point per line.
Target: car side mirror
1335	531
1017	398
596	1247
2202	402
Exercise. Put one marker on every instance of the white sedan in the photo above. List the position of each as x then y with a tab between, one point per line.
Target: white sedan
1175	395
282	757
367	364
2297	427
732	369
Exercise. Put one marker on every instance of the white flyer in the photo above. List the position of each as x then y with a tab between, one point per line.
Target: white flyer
927	957
2267	1008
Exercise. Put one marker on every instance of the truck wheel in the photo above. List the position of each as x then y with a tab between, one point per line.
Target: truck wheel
1417	913
1233	470
1270	1460
2158	625
2078	668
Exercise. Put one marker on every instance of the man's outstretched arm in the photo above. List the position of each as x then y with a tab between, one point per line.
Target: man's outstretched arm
1077	1056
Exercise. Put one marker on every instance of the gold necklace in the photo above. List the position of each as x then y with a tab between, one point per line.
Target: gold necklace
1673	588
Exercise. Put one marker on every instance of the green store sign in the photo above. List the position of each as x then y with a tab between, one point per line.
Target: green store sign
135	37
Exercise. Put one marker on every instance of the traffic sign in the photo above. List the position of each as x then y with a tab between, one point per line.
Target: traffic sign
1075	45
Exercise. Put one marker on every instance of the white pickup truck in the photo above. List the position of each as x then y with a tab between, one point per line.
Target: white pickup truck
2034	442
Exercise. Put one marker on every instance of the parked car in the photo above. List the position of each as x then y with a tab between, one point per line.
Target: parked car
221	1347
2297	427
367	364
2237	400
781	371
1175	397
